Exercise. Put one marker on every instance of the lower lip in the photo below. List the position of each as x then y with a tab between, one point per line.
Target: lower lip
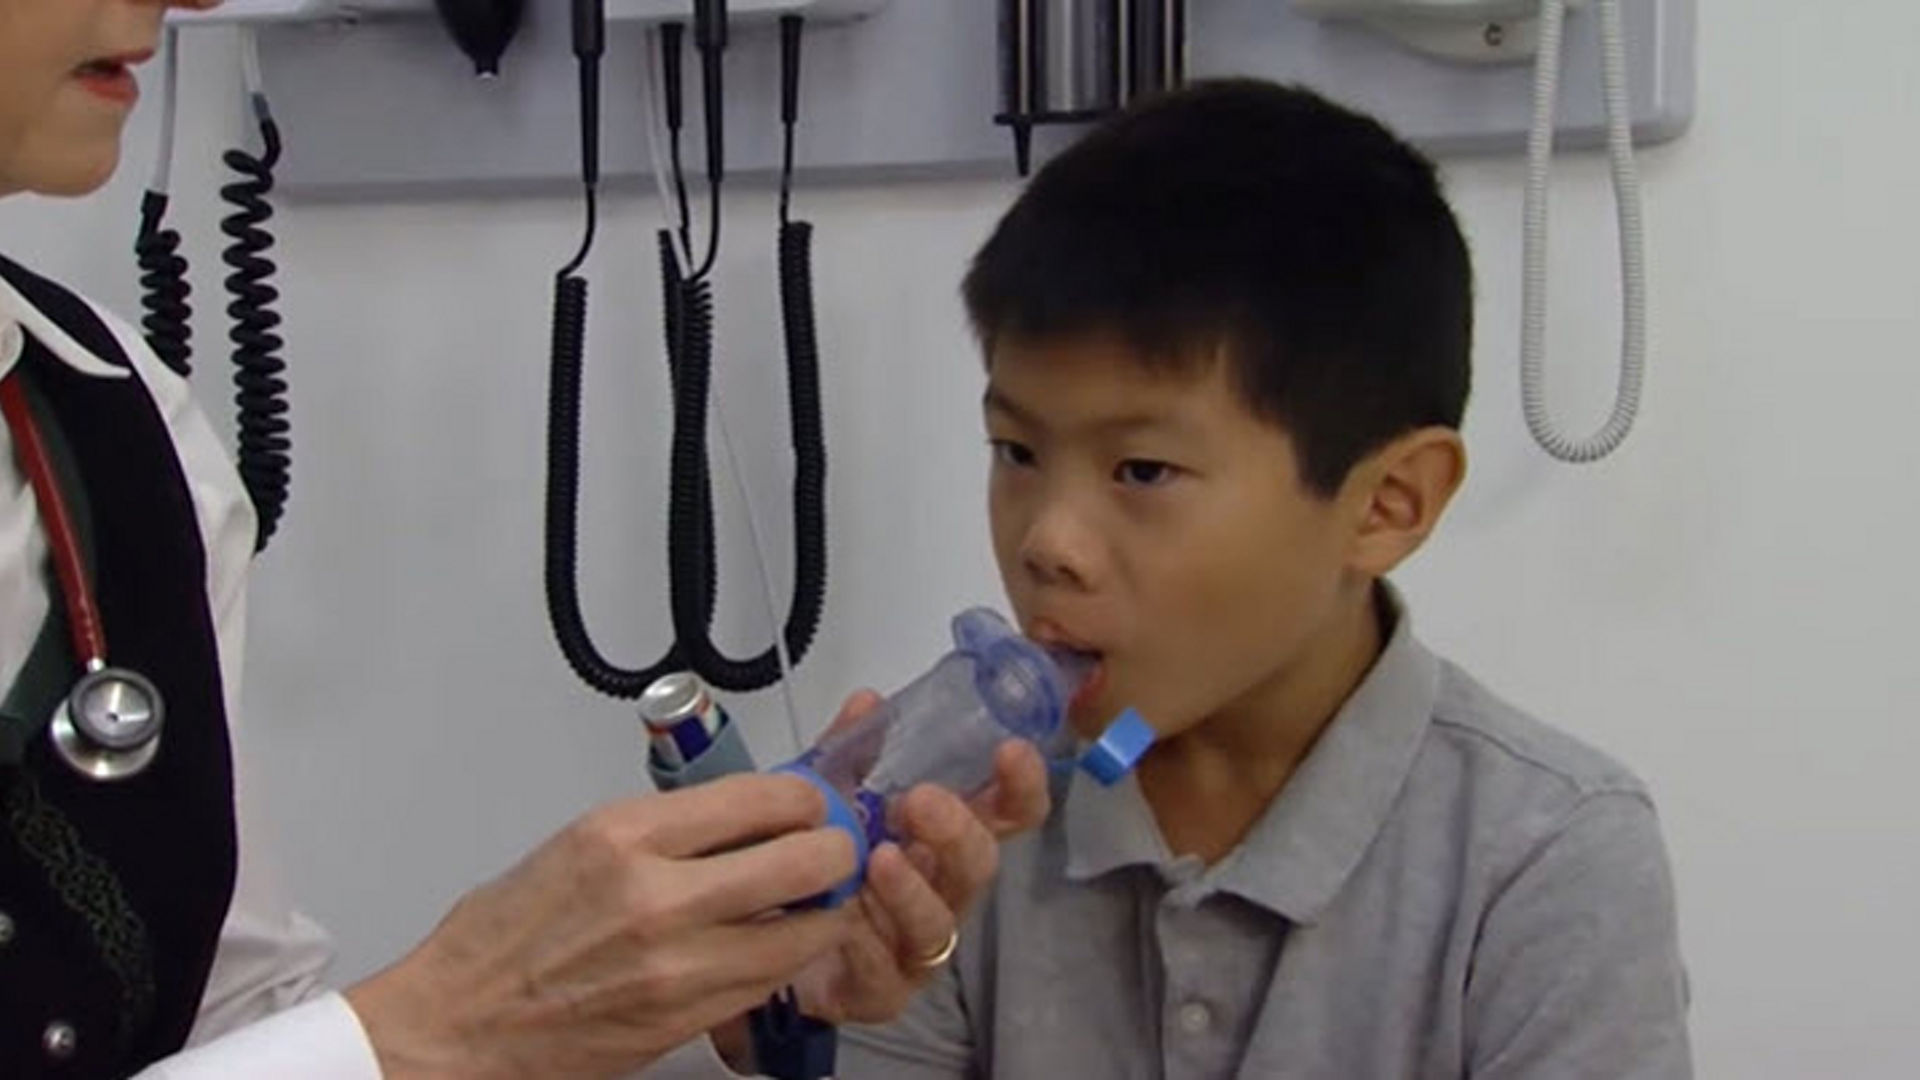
1091	689
121	87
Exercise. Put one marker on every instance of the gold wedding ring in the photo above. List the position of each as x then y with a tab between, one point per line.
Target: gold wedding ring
928	963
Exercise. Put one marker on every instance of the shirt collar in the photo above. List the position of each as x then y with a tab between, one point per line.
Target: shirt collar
1314	833
20	319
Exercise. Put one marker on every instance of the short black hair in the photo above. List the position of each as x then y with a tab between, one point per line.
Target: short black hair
1303	241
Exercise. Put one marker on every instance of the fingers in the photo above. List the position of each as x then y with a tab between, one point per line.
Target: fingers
714	976
921	921
872	960
744	883
758	957
899	922
726	813
1019	799
964	852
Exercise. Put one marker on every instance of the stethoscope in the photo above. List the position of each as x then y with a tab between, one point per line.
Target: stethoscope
109	726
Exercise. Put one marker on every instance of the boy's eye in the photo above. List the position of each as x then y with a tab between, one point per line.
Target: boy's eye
1007	452
1139	472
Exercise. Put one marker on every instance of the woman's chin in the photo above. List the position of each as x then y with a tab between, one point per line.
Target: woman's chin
65	167
80	177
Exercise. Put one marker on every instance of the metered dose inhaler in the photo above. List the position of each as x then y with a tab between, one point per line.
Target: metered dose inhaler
946	726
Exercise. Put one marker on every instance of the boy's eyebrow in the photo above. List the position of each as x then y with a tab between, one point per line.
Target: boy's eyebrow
996	402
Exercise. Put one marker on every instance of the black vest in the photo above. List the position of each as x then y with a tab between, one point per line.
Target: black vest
115	893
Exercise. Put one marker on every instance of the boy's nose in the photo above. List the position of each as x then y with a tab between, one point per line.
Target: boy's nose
1059	550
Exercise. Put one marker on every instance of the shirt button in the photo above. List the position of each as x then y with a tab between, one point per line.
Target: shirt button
60	1040
6	929
1195	1018
12	342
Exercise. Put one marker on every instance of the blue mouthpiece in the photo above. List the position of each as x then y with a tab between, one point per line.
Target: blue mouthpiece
1118	749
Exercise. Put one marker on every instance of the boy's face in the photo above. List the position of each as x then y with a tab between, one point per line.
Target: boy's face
66	87
1156	521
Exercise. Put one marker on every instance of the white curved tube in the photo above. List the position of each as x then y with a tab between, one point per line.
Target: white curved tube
1626	183
169	114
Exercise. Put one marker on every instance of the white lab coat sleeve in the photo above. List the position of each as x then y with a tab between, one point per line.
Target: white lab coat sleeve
270	957
266	1010
320	1040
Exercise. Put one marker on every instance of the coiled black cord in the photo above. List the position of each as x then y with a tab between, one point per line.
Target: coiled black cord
566	372
693	580
692	488
568	362
809	429
691	356
690	302
164	290
266	443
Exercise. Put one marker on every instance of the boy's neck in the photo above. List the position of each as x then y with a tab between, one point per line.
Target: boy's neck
1210	784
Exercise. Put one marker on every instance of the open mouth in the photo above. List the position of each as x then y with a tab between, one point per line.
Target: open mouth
1083	663
1093	681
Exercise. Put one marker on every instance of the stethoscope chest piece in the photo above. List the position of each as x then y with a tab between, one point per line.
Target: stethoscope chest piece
109	727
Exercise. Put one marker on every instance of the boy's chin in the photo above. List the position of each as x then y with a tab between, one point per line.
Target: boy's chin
1089	722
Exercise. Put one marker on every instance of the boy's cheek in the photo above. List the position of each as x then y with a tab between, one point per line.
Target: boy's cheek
1005	535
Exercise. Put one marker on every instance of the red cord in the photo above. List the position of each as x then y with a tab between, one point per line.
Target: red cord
83	616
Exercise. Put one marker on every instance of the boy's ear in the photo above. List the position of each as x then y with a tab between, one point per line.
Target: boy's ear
1398	495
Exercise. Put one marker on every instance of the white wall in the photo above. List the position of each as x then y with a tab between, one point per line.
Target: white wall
1721	605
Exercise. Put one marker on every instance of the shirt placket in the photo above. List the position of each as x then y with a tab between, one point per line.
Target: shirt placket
1196	1022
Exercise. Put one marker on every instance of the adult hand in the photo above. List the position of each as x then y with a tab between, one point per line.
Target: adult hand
639	926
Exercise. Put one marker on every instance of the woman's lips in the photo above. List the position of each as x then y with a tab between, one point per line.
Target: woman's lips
112	78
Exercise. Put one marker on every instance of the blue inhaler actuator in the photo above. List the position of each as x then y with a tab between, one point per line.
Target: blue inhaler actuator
945	727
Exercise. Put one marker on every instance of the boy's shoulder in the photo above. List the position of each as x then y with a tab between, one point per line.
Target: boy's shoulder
1495	744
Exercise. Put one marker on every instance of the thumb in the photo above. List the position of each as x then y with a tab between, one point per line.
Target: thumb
854	710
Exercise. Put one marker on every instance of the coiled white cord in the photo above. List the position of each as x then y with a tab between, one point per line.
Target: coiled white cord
169	114
1633	261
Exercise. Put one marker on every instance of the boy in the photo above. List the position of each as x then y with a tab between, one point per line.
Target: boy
1227	339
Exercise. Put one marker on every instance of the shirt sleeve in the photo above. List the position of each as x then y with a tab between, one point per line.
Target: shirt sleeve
320	1040
266	1010
270	958
932	1040
1578	970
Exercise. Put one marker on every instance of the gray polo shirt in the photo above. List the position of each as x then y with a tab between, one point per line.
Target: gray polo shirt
1445	888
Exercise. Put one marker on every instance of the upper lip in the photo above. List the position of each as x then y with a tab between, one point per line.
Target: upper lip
127	59
1050	633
